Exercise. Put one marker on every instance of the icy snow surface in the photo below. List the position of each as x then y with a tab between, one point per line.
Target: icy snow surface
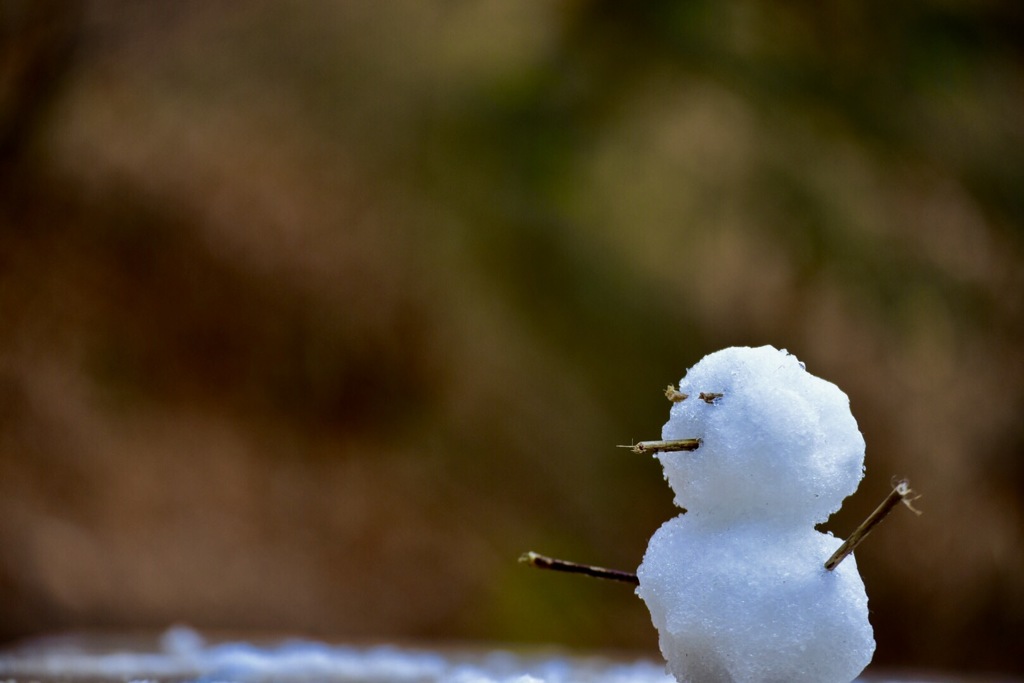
183	655
737	586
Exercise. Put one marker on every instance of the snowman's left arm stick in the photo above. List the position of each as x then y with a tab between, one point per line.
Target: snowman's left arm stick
543	562
900	494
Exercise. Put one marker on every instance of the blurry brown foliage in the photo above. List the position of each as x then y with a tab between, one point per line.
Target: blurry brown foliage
314	316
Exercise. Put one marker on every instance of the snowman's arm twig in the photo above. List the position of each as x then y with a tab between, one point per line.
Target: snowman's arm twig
901	493
543	562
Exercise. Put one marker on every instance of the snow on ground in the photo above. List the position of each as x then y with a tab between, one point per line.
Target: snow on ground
184	655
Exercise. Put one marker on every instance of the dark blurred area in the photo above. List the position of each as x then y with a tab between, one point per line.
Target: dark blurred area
313	316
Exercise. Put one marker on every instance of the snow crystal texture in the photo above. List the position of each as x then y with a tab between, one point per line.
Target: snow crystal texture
737	586
779	443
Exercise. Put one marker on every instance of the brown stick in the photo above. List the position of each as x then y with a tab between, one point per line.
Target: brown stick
899	494
664	446
543	562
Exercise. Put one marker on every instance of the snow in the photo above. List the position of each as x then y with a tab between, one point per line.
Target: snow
779	444
737	587
184	655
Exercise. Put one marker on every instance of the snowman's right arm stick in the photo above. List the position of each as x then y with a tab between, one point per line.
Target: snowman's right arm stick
900	494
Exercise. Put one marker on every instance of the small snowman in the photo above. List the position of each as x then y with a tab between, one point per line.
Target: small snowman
736	586
758	451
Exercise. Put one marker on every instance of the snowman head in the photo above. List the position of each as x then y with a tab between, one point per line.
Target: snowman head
777	443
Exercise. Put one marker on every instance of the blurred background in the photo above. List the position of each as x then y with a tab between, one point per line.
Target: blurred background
314	316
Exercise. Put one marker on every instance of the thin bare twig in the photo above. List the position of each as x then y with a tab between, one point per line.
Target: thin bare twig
901	493
664	446
543	562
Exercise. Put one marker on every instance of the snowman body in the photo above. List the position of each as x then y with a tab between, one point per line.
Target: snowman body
736	586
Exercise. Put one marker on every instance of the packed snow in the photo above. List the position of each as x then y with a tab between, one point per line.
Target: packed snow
736	586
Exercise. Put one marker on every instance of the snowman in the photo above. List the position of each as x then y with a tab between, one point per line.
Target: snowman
736	585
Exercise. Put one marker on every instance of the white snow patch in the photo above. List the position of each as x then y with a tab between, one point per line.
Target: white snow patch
184	655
